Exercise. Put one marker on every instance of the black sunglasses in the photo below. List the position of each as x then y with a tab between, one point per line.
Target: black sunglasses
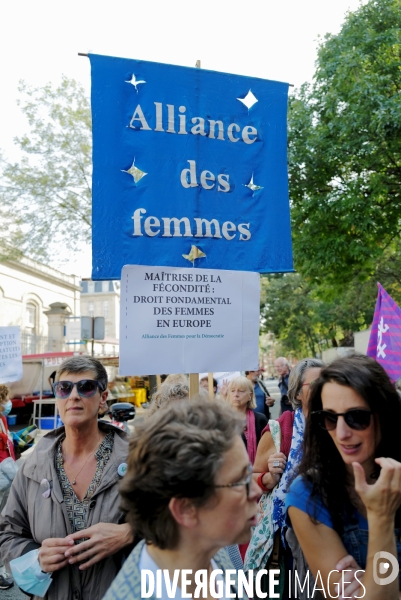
356	418
85	388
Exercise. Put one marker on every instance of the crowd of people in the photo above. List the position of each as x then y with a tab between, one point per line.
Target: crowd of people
210	487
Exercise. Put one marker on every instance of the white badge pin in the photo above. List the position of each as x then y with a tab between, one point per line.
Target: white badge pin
46	487
122	469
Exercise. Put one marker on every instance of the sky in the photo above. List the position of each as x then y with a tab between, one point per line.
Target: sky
271	39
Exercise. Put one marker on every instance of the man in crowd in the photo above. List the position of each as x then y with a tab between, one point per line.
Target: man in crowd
283	370
263	398
204	383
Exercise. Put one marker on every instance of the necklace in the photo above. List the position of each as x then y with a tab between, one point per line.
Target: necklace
74	479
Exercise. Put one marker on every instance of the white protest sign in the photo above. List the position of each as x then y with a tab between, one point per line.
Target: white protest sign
10	354
73	330
186	320
220	377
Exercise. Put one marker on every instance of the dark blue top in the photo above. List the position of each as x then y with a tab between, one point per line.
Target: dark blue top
283	387
260	399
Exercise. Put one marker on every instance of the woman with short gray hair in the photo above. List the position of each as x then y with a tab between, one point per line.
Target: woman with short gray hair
297	381
168	392
188	492
63	508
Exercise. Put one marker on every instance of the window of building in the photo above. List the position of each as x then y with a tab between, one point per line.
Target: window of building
111	286
98	286
91	287
84	287
105	308
31	316
91	309
29	337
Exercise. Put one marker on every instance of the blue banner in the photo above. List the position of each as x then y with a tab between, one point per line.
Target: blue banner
189	167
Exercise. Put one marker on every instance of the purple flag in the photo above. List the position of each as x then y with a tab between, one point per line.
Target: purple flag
385	337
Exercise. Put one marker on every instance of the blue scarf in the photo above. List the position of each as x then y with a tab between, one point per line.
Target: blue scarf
290	472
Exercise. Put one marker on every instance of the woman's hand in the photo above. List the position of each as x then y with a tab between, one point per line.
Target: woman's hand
224	388
52	554
276	463
382	498
350	586
266	453
103	540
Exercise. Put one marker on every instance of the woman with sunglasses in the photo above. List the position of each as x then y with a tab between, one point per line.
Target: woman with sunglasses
64	503
188	492
346	500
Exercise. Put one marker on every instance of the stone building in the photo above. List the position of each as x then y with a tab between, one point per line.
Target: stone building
102	299
38	299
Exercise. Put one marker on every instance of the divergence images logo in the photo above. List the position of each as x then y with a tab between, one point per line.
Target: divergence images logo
383	567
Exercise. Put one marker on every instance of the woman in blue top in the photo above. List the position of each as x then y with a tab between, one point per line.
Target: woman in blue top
346	500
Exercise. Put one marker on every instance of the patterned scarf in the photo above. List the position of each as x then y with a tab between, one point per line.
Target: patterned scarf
290	472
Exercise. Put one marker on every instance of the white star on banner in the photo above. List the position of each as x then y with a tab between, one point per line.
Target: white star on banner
249	100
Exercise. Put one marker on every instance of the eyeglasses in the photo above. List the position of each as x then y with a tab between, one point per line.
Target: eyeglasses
246	482
356	418
85	388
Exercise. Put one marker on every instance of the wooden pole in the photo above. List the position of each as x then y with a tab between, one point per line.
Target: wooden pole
194	377
193	385
210	385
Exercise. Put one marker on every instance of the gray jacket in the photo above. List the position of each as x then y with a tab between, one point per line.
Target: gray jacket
28	518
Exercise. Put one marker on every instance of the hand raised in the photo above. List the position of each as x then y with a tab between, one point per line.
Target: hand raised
382	498
276	464
224	388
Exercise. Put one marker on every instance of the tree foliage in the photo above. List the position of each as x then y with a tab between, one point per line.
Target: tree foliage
345	149
345	186
306	324
345	178
48	193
